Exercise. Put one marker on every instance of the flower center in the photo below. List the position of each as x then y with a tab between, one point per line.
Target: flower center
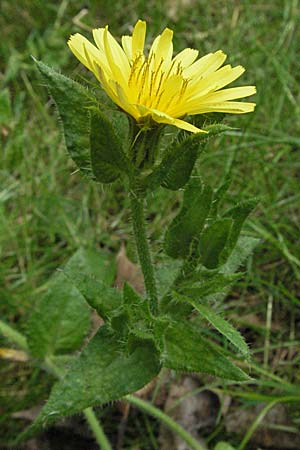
155	84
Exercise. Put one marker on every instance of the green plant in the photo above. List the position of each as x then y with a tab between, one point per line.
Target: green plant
141	334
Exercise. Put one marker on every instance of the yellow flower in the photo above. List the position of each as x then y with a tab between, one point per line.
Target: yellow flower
158	85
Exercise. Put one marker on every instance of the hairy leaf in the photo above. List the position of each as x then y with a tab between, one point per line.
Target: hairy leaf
60	320
166	273
213	241
218	196
102	373
238	214
107	156
97	264
207	120
219	323
61	317
243	249
186	349
93	281
73	102
190	220
104	299
202	284
139	318
177	164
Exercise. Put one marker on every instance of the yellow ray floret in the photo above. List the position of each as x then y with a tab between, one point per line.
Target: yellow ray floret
157	85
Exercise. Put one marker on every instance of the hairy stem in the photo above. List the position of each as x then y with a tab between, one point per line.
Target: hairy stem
139	229
162	417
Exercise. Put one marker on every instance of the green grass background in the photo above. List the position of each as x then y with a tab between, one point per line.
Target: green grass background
47	210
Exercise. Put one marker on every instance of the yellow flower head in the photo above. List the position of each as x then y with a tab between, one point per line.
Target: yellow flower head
158	85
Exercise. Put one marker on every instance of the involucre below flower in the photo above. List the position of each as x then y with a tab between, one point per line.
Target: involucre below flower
159	86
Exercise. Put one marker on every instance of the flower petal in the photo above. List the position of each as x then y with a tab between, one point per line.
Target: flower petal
162	49
123	100
114	52
220	97
138	38
77	43
225	107
161	117
117	59
170	92
229	94
213	82
127	46
158	86
205	65
186	57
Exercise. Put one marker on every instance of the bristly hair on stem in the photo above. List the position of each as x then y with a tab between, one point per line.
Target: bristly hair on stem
141	240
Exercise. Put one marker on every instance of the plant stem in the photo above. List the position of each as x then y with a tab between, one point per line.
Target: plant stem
139	229
162	417
97	429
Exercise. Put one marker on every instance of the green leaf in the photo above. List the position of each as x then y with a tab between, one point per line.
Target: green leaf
93	278
166	273
107	156
73	102
187	350
203	285
239	214
177	164
60	320
120	123
223	446
102	373
190	220
207	283
219	194
243	249
139	318
206	120
106	300
212	242
241	252
216	128
97	264
224	327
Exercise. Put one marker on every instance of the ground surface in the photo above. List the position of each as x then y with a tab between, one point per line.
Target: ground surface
46	213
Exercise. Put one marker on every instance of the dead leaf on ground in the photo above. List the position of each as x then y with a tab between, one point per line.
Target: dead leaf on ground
266	435
13	355
96	322
128	272
28	414
196	413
